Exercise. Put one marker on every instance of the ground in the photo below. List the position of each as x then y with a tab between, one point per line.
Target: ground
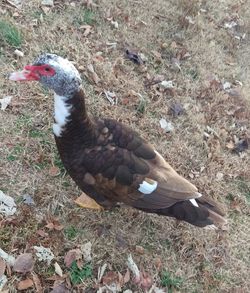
203	48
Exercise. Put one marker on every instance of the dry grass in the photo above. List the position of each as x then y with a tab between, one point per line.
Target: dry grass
206	261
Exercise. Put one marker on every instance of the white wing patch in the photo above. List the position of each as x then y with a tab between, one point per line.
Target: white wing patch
61	112
194	202
148	187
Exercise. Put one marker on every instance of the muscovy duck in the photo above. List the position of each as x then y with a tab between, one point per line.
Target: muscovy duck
110	162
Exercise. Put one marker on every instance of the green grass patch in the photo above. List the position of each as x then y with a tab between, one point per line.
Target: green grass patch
10	34
170	282
86	16
193	73
244	188
58	163
35	133
23	121
77	275
70	232
15	153
141	106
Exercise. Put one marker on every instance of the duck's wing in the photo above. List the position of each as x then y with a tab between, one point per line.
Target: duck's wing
125	168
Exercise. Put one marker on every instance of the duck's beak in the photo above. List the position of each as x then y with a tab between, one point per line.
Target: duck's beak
27	74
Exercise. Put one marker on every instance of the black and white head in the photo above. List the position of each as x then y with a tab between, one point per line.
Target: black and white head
53	72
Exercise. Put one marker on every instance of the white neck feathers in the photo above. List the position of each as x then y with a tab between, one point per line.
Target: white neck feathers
61	113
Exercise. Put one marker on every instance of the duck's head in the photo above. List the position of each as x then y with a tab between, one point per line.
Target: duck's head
53	72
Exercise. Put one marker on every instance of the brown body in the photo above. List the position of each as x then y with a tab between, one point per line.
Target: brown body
109	161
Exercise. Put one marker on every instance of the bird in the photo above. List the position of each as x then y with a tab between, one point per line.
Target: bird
109	162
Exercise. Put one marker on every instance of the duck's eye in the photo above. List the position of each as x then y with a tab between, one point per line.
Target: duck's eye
47	69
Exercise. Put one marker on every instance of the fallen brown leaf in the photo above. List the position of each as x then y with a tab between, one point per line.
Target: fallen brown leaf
110	277
54	171
25	284
54	224
42	233
139	249
37	283
72	255
59	288
94	75
126	277
85	201
87	29
24	263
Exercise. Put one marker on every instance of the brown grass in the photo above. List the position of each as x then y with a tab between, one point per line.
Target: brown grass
206	261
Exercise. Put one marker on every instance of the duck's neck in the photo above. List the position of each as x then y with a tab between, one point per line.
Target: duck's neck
72	124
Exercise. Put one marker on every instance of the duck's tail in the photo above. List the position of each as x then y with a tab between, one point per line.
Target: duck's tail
201	212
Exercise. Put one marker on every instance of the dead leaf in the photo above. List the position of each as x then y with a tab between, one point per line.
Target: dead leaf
154	80
126	277
110	277
139	249
86	250
37	283
85	201
24	263
58	269
166	125
158	263
2	267
134	268
44	254
9	259
27	199
101	271
134	57
111	97
5	101
146	281
241	146
3	282
176	109
87	29
230	145
7	204
42	233
25	284
54	171
59	288
54	224
94	76
72	255
167	84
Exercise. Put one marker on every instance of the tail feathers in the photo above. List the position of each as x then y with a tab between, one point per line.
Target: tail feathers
205	214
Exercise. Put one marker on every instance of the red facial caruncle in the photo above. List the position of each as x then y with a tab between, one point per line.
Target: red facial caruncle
32	72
